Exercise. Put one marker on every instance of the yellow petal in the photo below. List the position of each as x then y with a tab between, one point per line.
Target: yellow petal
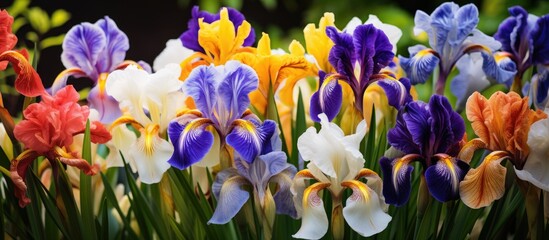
486	183
318	43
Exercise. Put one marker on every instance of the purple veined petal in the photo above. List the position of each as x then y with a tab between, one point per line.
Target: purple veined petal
191	141
420	66
117	44
396	180
539	88
247	139
327	99
238	81
442	22
500	68
540	37
447	126
106	105
373	50
342	55
417	122
466	21
283	197
397	92
82	48
514	35
230	197
262	169
400	138
443	178
201	86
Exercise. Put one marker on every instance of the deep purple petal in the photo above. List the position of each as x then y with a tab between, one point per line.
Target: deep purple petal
420	65
268	129
447	126
228	189
540	37
444	177
417	121
396	181
342	55
513	33
329	97
397	92
82	48
400	138
539	88
238	81
248	140
191	141
106	105
373	50
201	86
117	44
283	197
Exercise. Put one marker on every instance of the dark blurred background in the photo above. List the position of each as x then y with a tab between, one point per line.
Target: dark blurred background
149	24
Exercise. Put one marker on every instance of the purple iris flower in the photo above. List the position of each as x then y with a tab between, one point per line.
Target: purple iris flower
268	167
190	37
538	88
452	34
429	133
526	37
358	60
221	97
93	51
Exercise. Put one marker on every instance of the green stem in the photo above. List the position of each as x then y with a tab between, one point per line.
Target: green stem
338	225
517	84
422	202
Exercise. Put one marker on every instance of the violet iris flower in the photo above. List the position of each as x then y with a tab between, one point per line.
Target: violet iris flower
93	51
221	97
452	34
358	60
431	134
268	167
190	37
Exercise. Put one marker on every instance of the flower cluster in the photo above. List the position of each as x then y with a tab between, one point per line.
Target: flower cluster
218	113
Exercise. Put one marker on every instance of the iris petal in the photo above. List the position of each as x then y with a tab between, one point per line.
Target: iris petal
420	66
82	47
283	197
327	99
248	139
443	178
398	92
499	68
362	210
396	180
373	50
230	197
201	86
447	126
540	37
466	21
314	223
192	142
116	45
238	81
342	55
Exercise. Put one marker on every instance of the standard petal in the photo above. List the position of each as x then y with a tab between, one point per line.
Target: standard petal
443	178
238	81
342	55
486	183
248	140
447	126
540	37
393	33
174	52
314	223
373	50
201	85
466	21
116	45
397	181
230	199
442	22
400	137
362	210
191	141
82	48
420	65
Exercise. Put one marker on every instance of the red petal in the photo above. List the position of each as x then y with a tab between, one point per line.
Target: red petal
28	82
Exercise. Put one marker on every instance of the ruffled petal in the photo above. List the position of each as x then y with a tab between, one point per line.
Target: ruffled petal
419	66
116	45
486	183
396	180
327	99
192	142
362	210
442	22
230	197
447	126
540	37
82	48
248	140
536	167
342	55
314	223
443	178
373	51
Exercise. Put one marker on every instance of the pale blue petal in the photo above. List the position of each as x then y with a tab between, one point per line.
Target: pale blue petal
117	44
230	197
201	86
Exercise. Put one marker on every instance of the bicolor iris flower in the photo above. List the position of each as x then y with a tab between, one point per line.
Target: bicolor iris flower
452	33
202	136
93	51
526	38
432	134
335	163
28	82
215	38
358	60
502	123
149	102
48	130
268	168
